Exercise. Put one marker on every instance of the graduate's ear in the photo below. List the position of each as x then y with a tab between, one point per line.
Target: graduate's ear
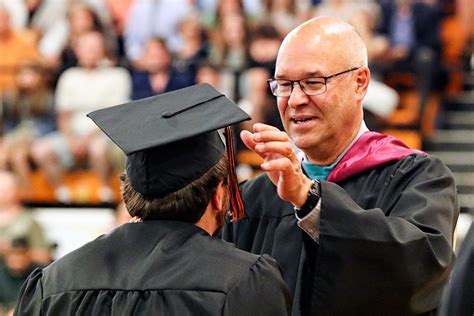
219	196
362	78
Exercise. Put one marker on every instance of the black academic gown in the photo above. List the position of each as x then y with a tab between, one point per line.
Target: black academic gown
458	297
156	268
384	245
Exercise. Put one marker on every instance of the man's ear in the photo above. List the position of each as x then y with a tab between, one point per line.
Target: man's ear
362	82
218	197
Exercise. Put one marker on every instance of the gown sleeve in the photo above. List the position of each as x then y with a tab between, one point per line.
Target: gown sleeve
30	296
396	257
261	292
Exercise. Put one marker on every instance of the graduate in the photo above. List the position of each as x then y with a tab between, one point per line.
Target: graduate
359	223
177	186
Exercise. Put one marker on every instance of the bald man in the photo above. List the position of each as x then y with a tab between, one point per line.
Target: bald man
359	223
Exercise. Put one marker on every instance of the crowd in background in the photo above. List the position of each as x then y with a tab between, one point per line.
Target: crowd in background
61	59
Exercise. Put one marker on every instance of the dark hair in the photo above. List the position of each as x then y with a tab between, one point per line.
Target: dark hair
20	243
187	204
265	31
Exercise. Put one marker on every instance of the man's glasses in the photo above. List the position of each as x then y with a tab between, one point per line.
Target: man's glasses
310	86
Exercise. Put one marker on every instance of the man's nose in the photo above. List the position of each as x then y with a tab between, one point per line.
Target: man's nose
297	96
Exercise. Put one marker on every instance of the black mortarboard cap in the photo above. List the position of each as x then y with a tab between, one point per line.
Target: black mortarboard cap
170	139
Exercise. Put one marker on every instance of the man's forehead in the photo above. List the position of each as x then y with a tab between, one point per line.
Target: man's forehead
311	54
303	61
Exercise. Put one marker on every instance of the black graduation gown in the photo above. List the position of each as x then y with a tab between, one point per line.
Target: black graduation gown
458	296
384	246
156	268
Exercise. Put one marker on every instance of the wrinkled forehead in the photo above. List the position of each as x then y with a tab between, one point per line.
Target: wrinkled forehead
313	51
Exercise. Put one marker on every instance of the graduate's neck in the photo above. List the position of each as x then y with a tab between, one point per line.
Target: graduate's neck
213	218
208	221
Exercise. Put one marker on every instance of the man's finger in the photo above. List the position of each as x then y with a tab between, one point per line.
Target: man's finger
281	164
260	127
247	139
282	148
270	135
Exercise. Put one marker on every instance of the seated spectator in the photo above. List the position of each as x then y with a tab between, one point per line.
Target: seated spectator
150	19
15	266
413	31
282	14
230	47
119	12
261	106
257	99
208	73
16	221
14	48
81	19
154	74
192	50
264	44
28	113
44	20
79	91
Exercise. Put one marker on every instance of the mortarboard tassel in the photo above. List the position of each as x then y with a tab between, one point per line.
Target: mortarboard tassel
235	198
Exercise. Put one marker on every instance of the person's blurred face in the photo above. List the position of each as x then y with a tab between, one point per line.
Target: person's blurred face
9	190
32	4
28	79
233	29
208	75
81	20
5	26
228	7
257	80
156	56
190	28
264	49
18	260
90	49
316	123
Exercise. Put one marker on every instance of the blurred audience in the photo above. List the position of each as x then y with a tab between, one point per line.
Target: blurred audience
44	20
17	222
170	44
95	84
28	113
413	32
14	48
192	50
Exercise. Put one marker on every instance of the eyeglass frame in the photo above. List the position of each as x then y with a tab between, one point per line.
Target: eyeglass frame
326	78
